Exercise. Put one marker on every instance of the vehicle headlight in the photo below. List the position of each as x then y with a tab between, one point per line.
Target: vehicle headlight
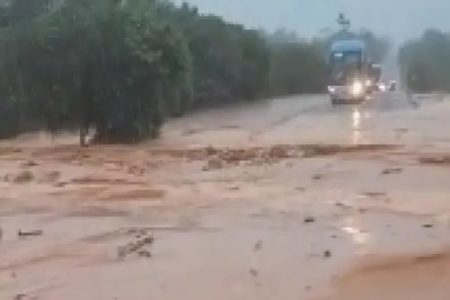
368	83
357	88
331	89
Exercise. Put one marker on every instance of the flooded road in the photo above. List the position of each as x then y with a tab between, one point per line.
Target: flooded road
310	119
287	199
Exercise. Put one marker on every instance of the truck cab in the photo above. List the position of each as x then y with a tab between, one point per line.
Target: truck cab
349	72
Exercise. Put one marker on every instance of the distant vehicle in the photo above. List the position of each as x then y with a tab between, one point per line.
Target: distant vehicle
392	86
352	76
373	83
382	87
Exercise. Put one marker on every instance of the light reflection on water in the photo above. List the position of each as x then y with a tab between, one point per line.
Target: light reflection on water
356	126
358	236
356	118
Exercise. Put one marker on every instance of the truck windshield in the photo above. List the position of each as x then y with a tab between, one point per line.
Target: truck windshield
344	66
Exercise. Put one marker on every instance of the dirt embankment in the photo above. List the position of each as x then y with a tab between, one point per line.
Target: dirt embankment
414	277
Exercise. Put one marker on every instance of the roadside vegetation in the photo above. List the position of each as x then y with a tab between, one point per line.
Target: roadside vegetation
123	67
425	62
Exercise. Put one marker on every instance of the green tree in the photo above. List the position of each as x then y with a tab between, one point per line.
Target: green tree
104	64
230	63
425	62
122	67
297	68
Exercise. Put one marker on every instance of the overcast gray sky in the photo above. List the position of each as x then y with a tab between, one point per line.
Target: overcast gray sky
398	19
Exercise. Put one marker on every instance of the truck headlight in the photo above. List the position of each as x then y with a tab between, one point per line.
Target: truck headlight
331	89
357	88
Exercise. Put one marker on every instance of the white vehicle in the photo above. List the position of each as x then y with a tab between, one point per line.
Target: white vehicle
355	92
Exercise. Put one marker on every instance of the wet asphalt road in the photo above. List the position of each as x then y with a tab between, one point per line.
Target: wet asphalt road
300	119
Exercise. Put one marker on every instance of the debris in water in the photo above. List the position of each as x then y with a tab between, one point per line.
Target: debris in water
435	160
309	220
253	272
258	246
317	177
24	177
375	194
391	171
60	184
30	163
427	225
136	247
145	253
378	196
52	176
25	234
234	188
327	254
210	150
24	297
213	164
343	205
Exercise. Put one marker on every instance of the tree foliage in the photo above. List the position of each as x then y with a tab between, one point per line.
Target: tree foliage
425	62
230	62
296	67
106	64
122	67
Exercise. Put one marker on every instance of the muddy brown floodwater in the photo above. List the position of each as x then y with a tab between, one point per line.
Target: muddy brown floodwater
286	199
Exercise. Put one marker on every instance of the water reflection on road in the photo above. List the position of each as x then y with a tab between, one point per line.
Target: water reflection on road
353	229
356	125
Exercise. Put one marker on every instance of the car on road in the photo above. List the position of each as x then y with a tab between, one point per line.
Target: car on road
392	86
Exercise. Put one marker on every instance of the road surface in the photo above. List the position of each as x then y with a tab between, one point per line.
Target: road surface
287	199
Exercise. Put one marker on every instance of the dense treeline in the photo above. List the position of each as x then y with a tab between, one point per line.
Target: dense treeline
104	64
425	62
230	63
296	66
122	67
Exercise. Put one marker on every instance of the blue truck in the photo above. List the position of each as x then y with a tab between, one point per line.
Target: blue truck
352	76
